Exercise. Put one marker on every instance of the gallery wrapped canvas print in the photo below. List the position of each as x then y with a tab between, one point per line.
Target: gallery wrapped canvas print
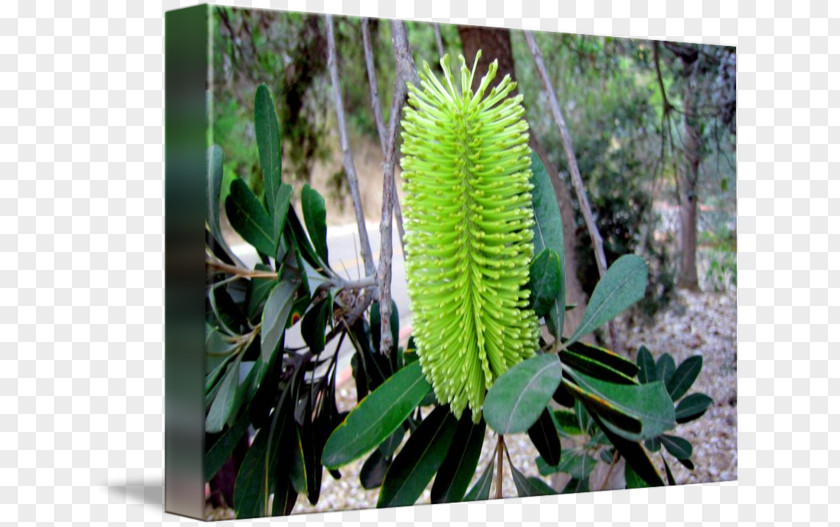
437	263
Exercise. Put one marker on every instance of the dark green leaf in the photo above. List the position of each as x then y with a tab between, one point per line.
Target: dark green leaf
563	397
481	489
311	457
276	313
653	444
518	397
222	448
668	473
633	480
284	499
686	463
665	367
376	417
575	486
623	285
548	233
314	324
634	454
606	456
692	407
250	498
419	459
281	210
649	403
298	465
526	487
647	366
258	291
544	436
573	462
594	368
605	357
629	424
458	467
249	218
315	217
224	401
567	422
392	443
301	240
544	280
677	446
373	470
684	376
269	143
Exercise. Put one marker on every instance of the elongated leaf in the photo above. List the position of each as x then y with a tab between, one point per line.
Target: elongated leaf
376	417
684	376
276	313
548	233
249	218
533	486
544	436
285	497
634	454
258	291
649	403
311	457
544	280
653	444
668	473
301	240
481	489
267	130
517	398
249	494
315	217
418	460
687	463
647	366
622	286
692	407
390	445
626	423
454	475
633	480
665	367
314	324
223	403
605	357
567	422
297	473
677	446
594	368
373	470
281	209
221	450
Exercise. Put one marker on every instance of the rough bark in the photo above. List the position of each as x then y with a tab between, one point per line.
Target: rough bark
495	44
688	187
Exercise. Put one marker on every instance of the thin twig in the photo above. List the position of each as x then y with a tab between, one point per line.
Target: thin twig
377	114
404	70
577	181
349	166
213	263
609	472
439	40
500	447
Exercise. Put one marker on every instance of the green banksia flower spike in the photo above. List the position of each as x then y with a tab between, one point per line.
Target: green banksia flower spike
468	241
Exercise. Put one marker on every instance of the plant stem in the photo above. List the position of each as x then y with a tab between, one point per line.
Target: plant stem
239	271
349	165
609	472
500	447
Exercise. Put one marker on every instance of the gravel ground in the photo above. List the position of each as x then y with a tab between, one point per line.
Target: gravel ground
695	323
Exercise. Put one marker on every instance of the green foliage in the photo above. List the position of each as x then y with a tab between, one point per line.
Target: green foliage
254	379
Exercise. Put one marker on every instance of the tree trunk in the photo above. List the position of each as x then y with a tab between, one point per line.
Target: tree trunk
495	44
688	185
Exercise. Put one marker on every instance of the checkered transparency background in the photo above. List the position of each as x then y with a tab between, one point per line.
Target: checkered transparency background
81	269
